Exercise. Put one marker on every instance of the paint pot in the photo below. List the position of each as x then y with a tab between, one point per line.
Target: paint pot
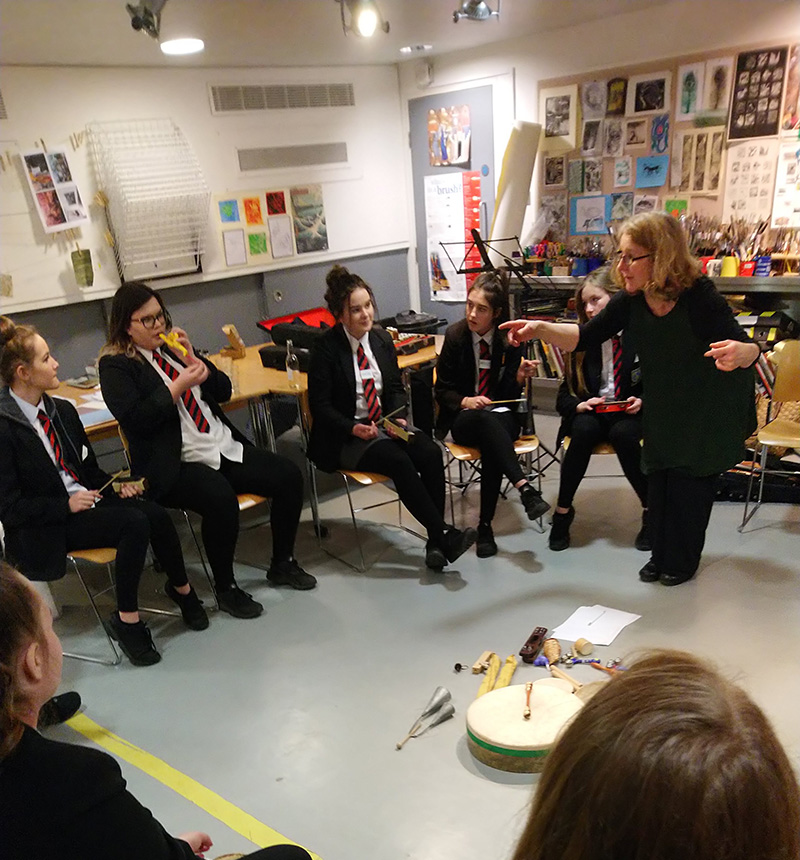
763	267
746	268
730	267
580	267
713	268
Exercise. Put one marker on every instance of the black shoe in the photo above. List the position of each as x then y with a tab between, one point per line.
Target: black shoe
485	546
434	556
642	542
59	709
290	573
134	640
559	531
675	578
649	573
238	603
535	506
456	542
191	607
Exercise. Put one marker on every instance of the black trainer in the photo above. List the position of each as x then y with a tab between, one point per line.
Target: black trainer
642	541
290	573
649	573
675	578
456	542
238	603
434	556
535	506
559	531
134	640
485	546
59	709
190	605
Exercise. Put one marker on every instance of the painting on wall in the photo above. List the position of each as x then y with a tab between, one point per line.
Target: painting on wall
308	219
449	136
717	85
575	176
648	94
636	133
617	91
651	171
593	176
554	208
558	108
689	95
594	97
790	121
623	173
588	216
613	142
757	93
592	137
554	171
621	205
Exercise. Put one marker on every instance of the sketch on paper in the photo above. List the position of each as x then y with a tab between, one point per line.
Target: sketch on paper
554	171
636	133
594	97
623	174
593	176
613	143
689	97
591	139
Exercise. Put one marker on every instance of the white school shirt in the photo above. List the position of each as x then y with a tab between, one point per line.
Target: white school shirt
196	447
32	414
488	338
362	411
607	391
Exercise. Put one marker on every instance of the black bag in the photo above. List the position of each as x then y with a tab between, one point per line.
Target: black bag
298	332
411	321
274	355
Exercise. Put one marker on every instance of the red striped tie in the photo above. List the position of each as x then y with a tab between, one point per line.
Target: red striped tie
189	400
484	372
370	394
616	345
50	432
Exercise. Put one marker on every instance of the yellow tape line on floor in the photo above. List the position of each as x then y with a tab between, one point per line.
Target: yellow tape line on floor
230	815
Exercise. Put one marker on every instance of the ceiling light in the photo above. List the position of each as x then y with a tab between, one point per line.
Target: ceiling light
475	10
416	49
177	47
365	17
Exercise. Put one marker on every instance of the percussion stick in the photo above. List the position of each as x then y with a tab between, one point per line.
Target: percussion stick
558	673
414	729
498	402
491	675
507	672
111	480
603	668
526	714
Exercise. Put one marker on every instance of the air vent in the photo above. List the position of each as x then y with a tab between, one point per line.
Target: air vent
3	114
275	157
247	97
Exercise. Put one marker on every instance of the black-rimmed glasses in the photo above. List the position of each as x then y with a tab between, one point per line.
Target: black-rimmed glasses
151	320
627	259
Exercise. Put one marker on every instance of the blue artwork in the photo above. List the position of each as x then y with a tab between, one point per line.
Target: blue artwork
589	215
228	211
651	171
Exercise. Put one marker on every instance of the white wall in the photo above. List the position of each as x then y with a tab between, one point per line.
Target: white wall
366	205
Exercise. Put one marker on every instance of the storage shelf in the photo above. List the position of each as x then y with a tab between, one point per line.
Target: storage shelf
788	285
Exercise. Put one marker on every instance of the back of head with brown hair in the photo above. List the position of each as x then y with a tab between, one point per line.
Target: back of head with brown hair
341	282
19	625
669	762
674	267
16	347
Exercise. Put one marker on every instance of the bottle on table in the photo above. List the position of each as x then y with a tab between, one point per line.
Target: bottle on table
292	366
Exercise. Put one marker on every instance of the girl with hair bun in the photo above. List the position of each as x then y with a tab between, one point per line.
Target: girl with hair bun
353	381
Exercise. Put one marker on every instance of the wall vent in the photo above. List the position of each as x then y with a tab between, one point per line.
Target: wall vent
277	157
3	114
235	98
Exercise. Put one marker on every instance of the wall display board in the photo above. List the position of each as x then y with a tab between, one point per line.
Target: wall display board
750	179
786	205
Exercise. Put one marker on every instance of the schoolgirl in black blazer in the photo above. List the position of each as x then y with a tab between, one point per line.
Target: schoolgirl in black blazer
353	382
50	498
477	366
589	380
167	404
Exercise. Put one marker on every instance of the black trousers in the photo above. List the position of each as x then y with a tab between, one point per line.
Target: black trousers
417	471
211	493
494	433
680	508
279	852
129	525
624	432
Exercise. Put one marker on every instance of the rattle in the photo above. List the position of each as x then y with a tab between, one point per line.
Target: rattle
171	340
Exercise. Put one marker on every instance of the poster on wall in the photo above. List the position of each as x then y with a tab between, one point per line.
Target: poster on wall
750	180
651	171
688	98
786	205
790	121
648	94
757	92
58	201
717	86
308	219
449	136
559	108
589	216
697	159
449	218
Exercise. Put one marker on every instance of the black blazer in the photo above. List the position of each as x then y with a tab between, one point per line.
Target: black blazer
332	391
455	372
140	401
34	503
70	802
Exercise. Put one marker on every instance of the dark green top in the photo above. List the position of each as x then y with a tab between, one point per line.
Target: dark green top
695	417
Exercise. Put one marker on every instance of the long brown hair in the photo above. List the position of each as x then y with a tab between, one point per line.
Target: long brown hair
341	282
127	300
495	288
670	761
19	625
674	267
573	361
16	348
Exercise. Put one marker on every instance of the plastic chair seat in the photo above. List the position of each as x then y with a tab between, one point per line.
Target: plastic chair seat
780	433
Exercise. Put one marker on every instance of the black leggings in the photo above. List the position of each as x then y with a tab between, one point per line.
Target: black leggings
417	471
494	433
623	431
129	525
212	494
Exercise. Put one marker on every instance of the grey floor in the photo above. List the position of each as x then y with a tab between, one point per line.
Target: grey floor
293	717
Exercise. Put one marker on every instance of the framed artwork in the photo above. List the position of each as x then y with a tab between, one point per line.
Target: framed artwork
697	159
558	112
636	133
554	171
717	85
651	171
589	216
689	95
623	172
613	142
575	177
648	94
592	137
594	97
615	102
757	93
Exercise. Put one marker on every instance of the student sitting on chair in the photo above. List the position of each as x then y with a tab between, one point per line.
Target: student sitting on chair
55	499
353	381
476	368
166	400
608	372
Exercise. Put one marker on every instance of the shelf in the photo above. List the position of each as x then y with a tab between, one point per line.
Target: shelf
788	285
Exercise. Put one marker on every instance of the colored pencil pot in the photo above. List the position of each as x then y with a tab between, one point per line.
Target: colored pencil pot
580	267
730	267
746	268
763	267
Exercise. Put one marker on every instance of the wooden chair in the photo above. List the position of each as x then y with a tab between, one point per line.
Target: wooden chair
778	432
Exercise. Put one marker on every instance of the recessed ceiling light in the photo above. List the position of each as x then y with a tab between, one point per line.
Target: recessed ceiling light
182	46
416	49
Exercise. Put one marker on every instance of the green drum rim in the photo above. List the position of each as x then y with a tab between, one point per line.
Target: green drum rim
505	750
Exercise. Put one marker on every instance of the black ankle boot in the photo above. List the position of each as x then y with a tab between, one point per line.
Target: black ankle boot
559	532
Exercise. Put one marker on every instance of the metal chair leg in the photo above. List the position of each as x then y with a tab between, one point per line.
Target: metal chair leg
746	517
202	556
117	656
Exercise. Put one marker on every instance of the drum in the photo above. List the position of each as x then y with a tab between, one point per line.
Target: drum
498	735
